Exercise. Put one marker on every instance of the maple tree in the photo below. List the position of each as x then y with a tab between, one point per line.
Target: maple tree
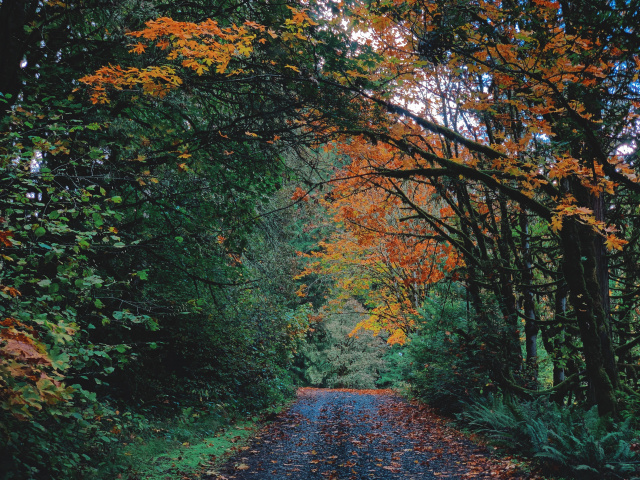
376	255
496	94
485	144
528	104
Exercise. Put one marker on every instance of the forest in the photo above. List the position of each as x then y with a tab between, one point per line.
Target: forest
205	204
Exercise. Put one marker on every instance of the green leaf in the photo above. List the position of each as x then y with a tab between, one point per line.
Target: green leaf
143	274
97	219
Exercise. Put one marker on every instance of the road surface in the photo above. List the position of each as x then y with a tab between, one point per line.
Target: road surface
353	435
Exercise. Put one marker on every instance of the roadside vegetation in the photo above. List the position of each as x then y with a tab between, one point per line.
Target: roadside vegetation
206	204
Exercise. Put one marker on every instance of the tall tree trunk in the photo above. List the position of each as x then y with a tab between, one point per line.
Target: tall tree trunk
530	326
602	277
553	338
580	272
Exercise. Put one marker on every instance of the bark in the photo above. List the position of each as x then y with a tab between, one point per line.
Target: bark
580	272
505	290
553	338
602	278
530	327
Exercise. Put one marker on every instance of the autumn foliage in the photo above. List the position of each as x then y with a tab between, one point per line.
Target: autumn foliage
376	254
483	148
195	47
471	120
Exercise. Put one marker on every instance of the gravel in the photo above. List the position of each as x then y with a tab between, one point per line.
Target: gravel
341	434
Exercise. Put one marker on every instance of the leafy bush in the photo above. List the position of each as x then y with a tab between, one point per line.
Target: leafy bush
57	443
578	441
445	357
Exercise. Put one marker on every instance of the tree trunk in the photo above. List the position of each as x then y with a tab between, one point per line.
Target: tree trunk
530	326
580	272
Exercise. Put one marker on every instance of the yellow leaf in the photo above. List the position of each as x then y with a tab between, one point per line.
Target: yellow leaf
292	68
614	242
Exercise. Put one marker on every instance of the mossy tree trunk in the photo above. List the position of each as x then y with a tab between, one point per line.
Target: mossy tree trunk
580	271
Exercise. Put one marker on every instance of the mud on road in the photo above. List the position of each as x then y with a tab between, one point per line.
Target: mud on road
352	435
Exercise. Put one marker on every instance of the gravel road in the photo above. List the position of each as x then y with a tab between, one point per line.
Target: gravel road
352	435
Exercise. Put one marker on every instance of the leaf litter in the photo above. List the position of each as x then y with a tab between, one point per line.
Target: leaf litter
344	434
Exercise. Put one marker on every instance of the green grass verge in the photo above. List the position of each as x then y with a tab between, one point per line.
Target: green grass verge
185	446
168	460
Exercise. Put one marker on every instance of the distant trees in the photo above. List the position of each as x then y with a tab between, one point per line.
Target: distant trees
335	357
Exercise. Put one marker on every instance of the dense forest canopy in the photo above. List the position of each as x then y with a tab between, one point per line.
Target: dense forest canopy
189	188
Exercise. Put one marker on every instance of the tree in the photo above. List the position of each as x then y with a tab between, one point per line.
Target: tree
126	231
527	102
336	357
519	124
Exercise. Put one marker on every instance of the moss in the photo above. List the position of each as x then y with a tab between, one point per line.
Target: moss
192	459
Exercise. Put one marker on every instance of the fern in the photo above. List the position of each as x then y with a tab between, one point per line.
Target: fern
578	440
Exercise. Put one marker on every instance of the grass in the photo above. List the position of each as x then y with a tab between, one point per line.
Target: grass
168	460
185	446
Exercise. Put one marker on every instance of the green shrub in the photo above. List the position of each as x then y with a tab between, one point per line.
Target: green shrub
578	441
445	359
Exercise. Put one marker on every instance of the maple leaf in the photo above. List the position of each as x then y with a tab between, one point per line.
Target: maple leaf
556	223
614	243
255	25
300	194
5	238
13	292
138	48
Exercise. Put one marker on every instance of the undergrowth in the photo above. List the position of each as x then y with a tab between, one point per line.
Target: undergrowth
573	441
184	446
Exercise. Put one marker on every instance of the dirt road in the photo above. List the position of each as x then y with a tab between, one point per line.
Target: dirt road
351	435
